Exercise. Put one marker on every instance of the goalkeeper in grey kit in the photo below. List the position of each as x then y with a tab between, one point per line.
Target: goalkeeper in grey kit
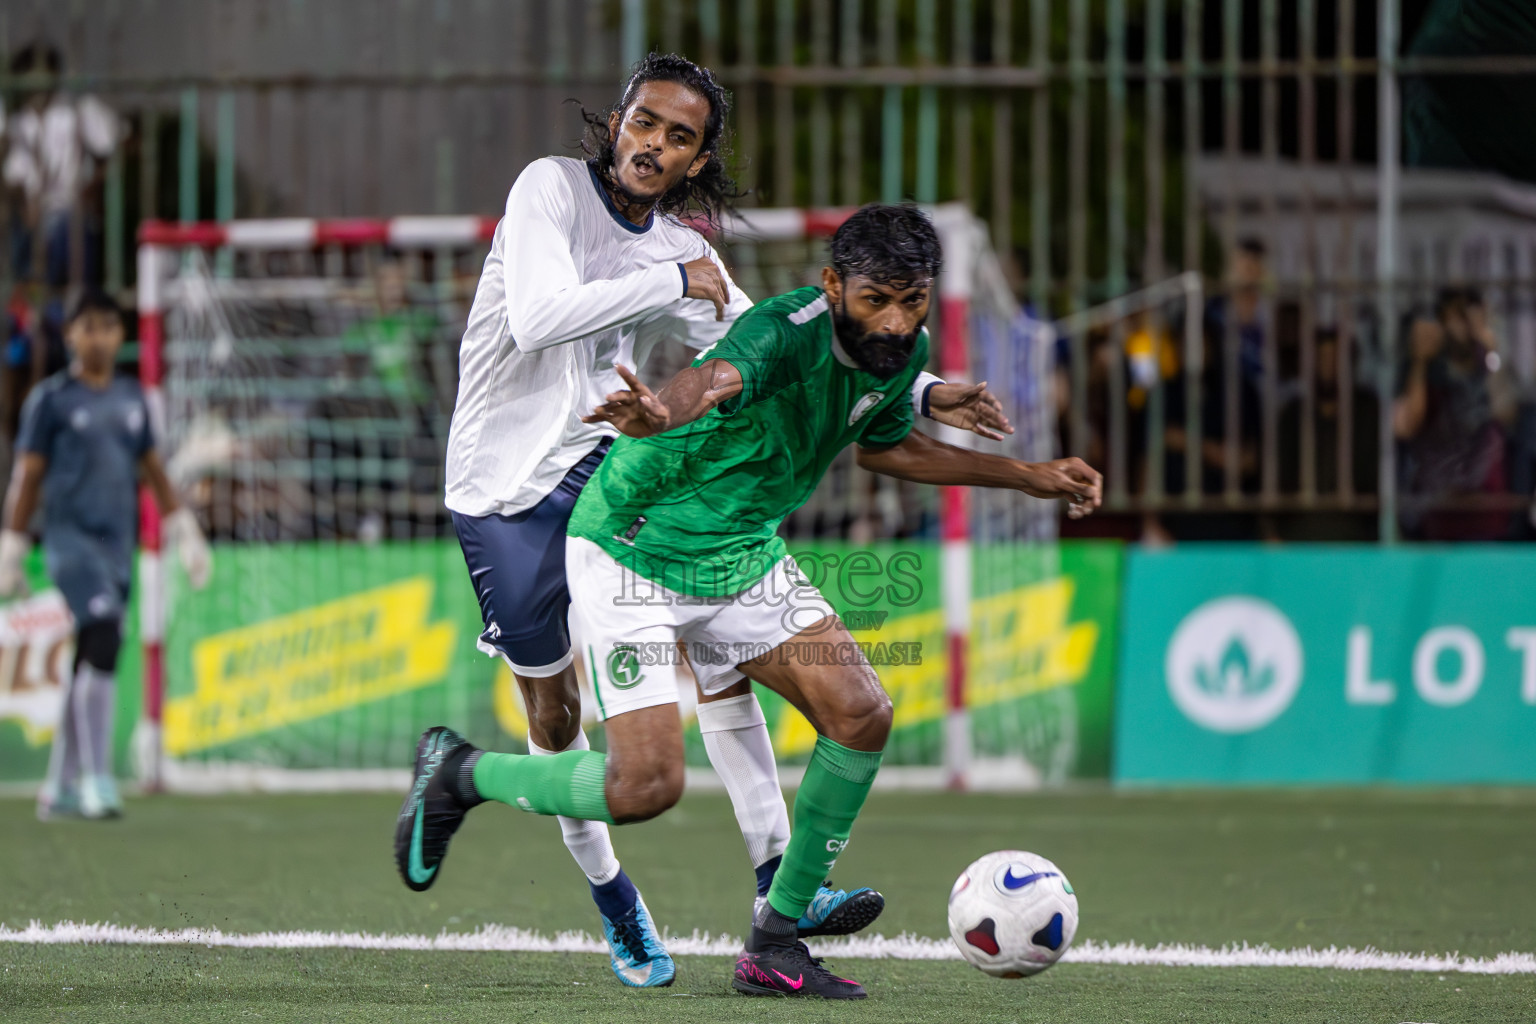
85	442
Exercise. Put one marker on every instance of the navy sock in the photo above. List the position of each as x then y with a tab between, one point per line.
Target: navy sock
615	898
765	872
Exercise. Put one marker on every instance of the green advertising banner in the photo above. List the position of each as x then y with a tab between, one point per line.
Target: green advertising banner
1247	664
1043	628
326	656
335	656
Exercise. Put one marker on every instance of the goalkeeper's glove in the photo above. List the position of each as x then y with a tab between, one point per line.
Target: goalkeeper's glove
183	533
14	546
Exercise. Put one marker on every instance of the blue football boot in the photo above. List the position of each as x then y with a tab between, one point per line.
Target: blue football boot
838	911
635	951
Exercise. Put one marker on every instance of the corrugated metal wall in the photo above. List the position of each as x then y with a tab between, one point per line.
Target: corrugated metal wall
338	107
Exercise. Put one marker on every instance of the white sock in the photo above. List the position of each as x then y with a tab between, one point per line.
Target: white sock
101	711
587	840
64	757
736	739
93	696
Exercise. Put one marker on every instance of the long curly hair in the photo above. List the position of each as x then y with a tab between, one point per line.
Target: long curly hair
711	191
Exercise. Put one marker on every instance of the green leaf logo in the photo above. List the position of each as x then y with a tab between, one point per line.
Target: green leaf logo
1234	675
1234	664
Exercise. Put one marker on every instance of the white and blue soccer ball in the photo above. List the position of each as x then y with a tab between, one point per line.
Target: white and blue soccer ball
1012	914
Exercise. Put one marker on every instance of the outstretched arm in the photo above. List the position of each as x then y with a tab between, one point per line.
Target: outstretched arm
639	412
923	460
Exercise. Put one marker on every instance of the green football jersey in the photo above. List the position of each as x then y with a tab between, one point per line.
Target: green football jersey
697	509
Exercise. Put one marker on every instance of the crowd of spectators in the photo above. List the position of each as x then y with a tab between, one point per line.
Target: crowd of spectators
1286	437
1462	426
53	147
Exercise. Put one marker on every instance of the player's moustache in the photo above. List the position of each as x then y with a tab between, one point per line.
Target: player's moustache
883	355
614	182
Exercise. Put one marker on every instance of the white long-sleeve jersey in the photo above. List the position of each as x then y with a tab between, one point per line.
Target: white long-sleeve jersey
569	289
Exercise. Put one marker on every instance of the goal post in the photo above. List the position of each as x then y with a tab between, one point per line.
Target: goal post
316	471
167	248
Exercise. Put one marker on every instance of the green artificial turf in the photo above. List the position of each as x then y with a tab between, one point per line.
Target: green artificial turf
1405	871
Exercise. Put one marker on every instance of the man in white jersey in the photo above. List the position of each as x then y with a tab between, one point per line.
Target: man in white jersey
590	267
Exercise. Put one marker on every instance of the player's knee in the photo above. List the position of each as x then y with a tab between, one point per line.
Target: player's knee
861	720
554	724
870	727
642	794
97	645
878	721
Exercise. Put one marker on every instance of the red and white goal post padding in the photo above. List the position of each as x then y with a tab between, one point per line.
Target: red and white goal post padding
963	239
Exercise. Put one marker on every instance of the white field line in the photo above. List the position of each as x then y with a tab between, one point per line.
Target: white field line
500	939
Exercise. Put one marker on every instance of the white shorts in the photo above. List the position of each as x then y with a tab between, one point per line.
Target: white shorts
629	627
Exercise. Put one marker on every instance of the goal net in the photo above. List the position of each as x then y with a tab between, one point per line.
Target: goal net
305	374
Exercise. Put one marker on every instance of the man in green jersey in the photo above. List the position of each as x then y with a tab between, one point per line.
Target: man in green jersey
675	538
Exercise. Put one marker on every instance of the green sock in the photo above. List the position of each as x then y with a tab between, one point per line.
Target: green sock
570	783
836	782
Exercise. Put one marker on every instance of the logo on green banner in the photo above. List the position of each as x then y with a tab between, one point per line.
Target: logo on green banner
1234	664
1328	663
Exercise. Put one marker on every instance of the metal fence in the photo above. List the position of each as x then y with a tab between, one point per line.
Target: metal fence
1109	145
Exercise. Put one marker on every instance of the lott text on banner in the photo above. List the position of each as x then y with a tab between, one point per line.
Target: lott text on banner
1247	664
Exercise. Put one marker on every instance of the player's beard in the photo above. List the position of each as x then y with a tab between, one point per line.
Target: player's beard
879	354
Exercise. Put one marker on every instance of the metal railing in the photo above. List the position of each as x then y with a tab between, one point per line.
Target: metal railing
1062	122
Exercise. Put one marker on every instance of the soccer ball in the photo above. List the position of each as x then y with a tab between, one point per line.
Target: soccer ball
1012	914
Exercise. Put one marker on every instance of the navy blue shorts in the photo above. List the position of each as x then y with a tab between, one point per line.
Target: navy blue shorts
517	564
92	572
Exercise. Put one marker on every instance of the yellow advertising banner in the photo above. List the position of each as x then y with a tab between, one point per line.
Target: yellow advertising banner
309	663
